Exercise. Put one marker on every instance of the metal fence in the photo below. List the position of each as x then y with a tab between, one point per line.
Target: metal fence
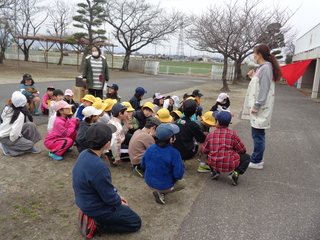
67	60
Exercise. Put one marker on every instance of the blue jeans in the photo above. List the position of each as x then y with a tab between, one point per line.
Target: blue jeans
258	136
122	220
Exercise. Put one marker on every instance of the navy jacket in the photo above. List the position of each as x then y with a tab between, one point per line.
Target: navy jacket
91	179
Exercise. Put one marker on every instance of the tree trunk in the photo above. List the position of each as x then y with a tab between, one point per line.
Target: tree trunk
61	54
126	60
225	86
237	71
26	55
1	57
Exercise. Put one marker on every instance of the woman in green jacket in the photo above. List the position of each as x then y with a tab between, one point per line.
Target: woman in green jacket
95	72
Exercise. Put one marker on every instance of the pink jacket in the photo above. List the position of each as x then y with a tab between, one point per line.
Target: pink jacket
62	128
44	104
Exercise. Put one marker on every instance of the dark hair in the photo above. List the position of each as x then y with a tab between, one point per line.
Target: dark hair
185	96
264	50
57	92
163	144
190	110
146	108
24	81
112	95
117	114
16	112
174	115
149	124
157	102
88	119
59	114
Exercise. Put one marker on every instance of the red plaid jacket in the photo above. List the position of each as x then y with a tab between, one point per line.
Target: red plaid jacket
223	147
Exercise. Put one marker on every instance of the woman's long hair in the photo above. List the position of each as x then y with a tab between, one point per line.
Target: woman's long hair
16	112
113	95
264	50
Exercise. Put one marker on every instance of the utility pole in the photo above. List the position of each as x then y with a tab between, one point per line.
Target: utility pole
180	48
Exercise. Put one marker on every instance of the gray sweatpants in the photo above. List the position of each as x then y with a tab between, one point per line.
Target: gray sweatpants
30	136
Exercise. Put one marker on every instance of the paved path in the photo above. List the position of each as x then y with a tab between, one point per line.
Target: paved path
282	201
160	83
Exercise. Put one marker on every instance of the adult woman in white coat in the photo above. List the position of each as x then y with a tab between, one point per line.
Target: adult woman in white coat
259	101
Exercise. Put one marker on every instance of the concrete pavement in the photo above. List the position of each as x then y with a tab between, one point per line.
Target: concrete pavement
127	85
279	202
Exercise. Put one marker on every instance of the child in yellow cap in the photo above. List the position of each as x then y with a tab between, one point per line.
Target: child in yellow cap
133	123
87	100
164	115
207	121
176	114
143	114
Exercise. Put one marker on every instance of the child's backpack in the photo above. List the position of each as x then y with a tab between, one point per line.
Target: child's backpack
87	226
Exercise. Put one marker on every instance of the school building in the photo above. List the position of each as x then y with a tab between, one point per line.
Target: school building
308	48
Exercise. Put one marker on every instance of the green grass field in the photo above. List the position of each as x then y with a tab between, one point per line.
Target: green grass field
187	64
185	67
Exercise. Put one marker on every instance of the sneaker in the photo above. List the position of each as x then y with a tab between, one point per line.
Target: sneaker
234	178
5	150
204	169
215	175
258	166
111	160
55	157
34	150
69	149
138	171
36	112
159	197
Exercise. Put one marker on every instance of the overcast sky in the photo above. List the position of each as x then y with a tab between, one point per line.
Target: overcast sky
306	17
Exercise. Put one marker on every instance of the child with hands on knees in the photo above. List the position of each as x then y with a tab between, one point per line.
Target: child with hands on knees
63	133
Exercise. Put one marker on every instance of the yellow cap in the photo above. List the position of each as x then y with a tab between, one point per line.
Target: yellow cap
193	98
149	105
178	113
89	98
208	118
164	115
100	105
130	108
110	102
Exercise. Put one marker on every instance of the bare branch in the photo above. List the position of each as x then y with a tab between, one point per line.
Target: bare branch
137	24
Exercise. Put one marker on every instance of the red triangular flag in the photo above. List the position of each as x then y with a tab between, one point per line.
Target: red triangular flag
292	72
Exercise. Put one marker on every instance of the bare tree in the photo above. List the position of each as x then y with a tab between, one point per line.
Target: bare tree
215	31
234	29
137	24
5	30
28	20
60	17
6	3
253	22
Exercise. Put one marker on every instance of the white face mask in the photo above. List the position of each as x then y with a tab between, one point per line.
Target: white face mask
255	60
95	54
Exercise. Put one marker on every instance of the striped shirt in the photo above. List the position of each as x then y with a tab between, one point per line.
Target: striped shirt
96	65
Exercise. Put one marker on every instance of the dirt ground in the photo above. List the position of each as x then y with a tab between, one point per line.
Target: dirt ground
36	195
